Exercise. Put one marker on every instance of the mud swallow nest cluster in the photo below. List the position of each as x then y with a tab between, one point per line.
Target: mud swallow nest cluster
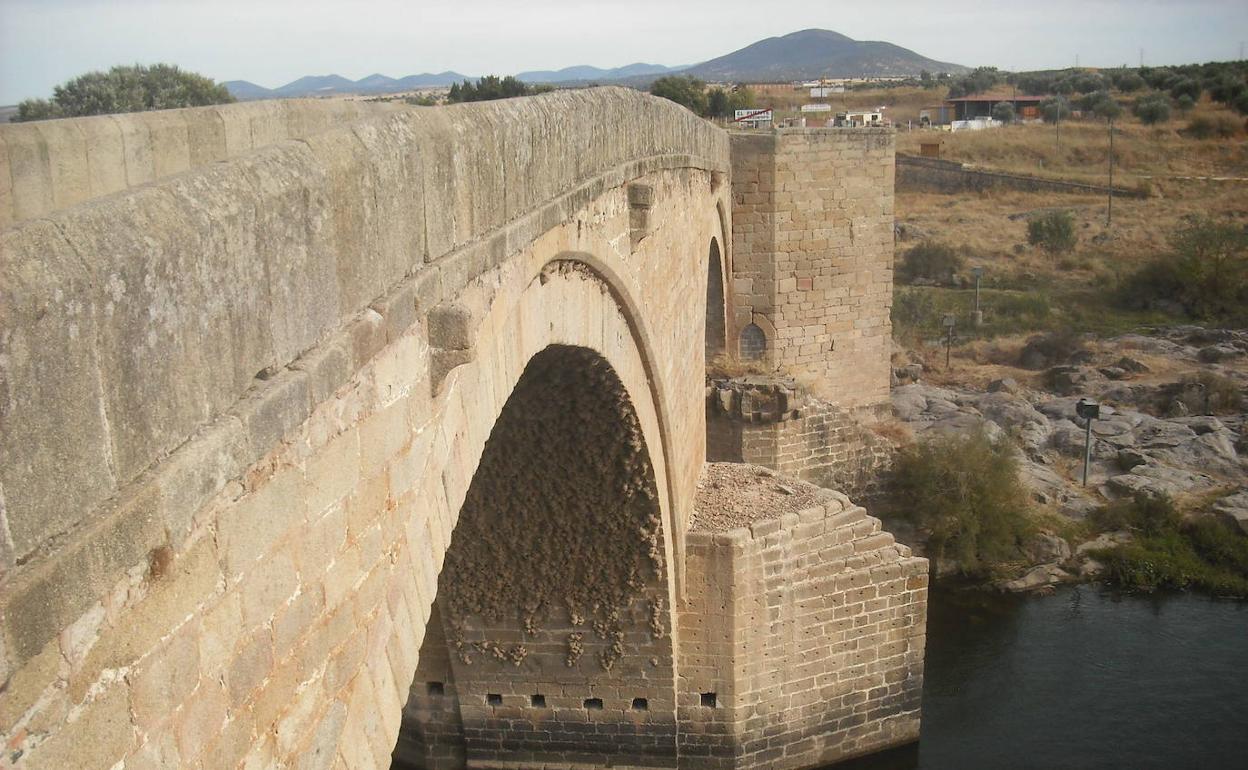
562	514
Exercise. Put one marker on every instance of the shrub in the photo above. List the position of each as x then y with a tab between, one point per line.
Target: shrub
682	89
1205	127
1184	104
1205	274
1216	394
1101	104
1142	514
914	310
126	89
1128	82
1054	109
1186	87
1152	109
1003	111
964	490
1167	553
931	260
1053	231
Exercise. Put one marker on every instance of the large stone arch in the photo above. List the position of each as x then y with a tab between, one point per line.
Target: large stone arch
567	304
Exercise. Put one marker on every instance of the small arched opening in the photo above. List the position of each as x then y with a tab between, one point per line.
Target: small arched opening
753	343
716	339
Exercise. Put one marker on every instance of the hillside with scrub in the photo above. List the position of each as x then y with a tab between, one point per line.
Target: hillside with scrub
1143	310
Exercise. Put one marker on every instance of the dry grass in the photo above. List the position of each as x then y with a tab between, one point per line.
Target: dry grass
1140	151
725	366
893	431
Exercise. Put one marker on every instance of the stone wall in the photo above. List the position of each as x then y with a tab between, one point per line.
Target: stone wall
49	165
920	174
813	253
775	423
801	641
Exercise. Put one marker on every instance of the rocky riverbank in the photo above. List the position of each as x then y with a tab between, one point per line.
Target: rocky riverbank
1157	435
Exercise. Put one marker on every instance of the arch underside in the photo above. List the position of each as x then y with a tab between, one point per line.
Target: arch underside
512	621
552	603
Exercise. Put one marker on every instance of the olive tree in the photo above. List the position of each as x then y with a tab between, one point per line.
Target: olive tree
134	88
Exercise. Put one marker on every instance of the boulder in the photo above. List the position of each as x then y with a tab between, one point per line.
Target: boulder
1113	372
1212	452
1157	480
1047	487
1042	576
1133	365
1212	354
1071	380
1154	433
1004	385
1047	548
1091	568
1234	509
1202	424
909	402
1102	542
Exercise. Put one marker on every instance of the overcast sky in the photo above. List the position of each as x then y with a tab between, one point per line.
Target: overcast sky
271	42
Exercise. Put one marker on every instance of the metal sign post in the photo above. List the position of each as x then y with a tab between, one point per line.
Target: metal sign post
978	317
949	321
1089	410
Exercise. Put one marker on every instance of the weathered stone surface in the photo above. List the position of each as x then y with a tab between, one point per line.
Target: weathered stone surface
1047	548
1234	508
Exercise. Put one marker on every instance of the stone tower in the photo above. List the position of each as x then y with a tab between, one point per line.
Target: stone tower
812	234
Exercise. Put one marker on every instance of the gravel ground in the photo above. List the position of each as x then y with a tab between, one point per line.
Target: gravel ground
732	495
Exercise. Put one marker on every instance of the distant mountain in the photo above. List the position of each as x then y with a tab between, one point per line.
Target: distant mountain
315	85
587	73
814	53
244	90
802	55
320	85
431	80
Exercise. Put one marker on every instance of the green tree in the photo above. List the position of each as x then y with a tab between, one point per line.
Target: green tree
1128	82
977	81
964	490
1054	108
931	261
1205	271
1101	104
1186	87
1152	108
492	87
1053	231
136	88
717	103
1003	111
742	98
684	90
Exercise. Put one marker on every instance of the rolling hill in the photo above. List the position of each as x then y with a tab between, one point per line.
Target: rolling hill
814	53
811	53
320	85
587	73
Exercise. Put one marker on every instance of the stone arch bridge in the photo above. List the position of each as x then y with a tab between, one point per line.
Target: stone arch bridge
335	434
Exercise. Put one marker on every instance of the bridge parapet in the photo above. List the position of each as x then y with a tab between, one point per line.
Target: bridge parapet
49	165
133	320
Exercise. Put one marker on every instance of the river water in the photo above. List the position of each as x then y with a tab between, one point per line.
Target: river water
1083	678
